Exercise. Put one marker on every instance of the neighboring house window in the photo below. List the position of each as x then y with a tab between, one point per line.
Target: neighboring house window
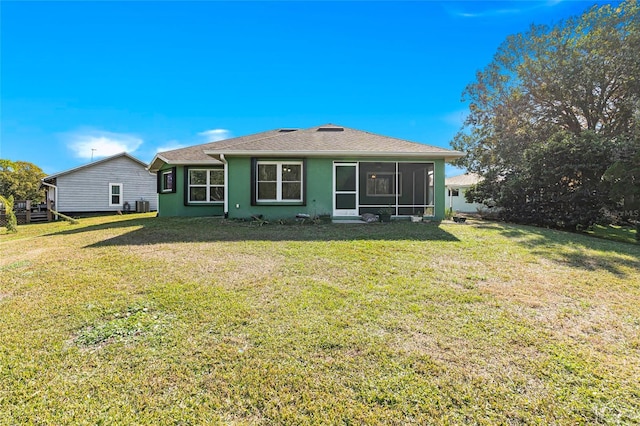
454	192
206	185
381	184
115	194
279	181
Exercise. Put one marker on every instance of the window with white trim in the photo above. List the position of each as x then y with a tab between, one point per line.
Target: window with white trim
279	181
206	185
167	181
115	194
454	192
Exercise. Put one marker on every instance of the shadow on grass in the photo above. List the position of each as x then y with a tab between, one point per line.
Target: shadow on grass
186	230
615	233
579	251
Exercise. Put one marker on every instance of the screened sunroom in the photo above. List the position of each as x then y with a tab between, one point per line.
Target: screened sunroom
406	188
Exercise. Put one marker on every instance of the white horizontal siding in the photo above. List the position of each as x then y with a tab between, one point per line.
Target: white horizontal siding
459	203
88	190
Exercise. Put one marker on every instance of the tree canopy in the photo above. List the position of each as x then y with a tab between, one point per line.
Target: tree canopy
548	92
21	180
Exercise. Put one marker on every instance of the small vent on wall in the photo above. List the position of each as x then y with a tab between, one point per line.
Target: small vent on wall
330	129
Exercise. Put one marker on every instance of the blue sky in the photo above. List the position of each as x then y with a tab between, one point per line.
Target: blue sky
96	78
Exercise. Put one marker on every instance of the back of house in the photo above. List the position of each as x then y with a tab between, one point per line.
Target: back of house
326	170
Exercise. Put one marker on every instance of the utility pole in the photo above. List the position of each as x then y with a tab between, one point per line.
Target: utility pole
92	149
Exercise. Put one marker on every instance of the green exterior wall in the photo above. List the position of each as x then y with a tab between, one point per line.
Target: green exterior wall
319	178
319	191
173	204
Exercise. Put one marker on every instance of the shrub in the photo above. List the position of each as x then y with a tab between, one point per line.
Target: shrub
12	222
448	214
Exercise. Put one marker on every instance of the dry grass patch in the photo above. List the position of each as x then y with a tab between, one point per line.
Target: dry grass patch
142	320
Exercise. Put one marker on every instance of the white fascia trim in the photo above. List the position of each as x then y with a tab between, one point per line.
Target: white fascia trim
151	167
451	155
50	185
213	161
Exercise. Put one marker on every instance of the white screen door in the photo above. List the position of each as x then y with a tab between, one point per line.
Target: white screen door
345	189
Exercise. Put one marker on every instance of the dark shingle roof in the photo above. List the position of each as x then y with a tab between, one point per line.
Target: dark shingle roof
325	140
195	154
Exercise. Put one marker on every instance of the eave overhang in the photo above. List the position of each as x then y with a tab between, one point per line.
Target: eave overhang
158	161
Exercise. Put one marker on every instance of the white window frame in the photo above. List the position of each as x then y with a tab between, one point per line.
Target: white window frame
120	194
279	181
208	185
163	187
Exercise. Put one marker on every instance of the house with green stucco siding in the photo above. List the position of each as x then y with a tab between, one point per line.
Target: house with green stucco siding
323	170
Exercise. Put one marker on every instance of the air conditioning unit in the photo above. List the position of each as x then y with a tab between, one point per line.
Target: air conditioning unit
142	206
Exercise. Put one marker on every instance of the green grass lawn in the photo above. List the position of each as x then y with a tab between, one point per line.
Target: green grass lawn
142	320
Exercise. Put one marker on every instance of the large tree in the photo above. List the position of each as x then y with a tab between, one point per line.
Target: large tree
559	183
21	180
580	75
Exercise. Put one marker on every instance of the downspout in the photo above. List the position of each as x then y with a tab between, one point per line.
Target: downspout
55	193
226	185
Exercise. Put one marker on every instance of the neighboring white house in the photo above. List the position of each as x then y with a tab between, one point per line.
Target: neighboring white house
455	188
114	183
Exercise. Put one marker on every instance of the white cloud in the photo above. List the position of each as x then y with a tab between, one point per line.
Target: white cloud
518	7
92	144
170	146
215	135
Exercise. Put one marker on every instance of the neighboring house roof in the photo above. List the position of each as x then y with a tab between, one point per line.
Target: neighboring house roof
466	179
325	140
93	163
